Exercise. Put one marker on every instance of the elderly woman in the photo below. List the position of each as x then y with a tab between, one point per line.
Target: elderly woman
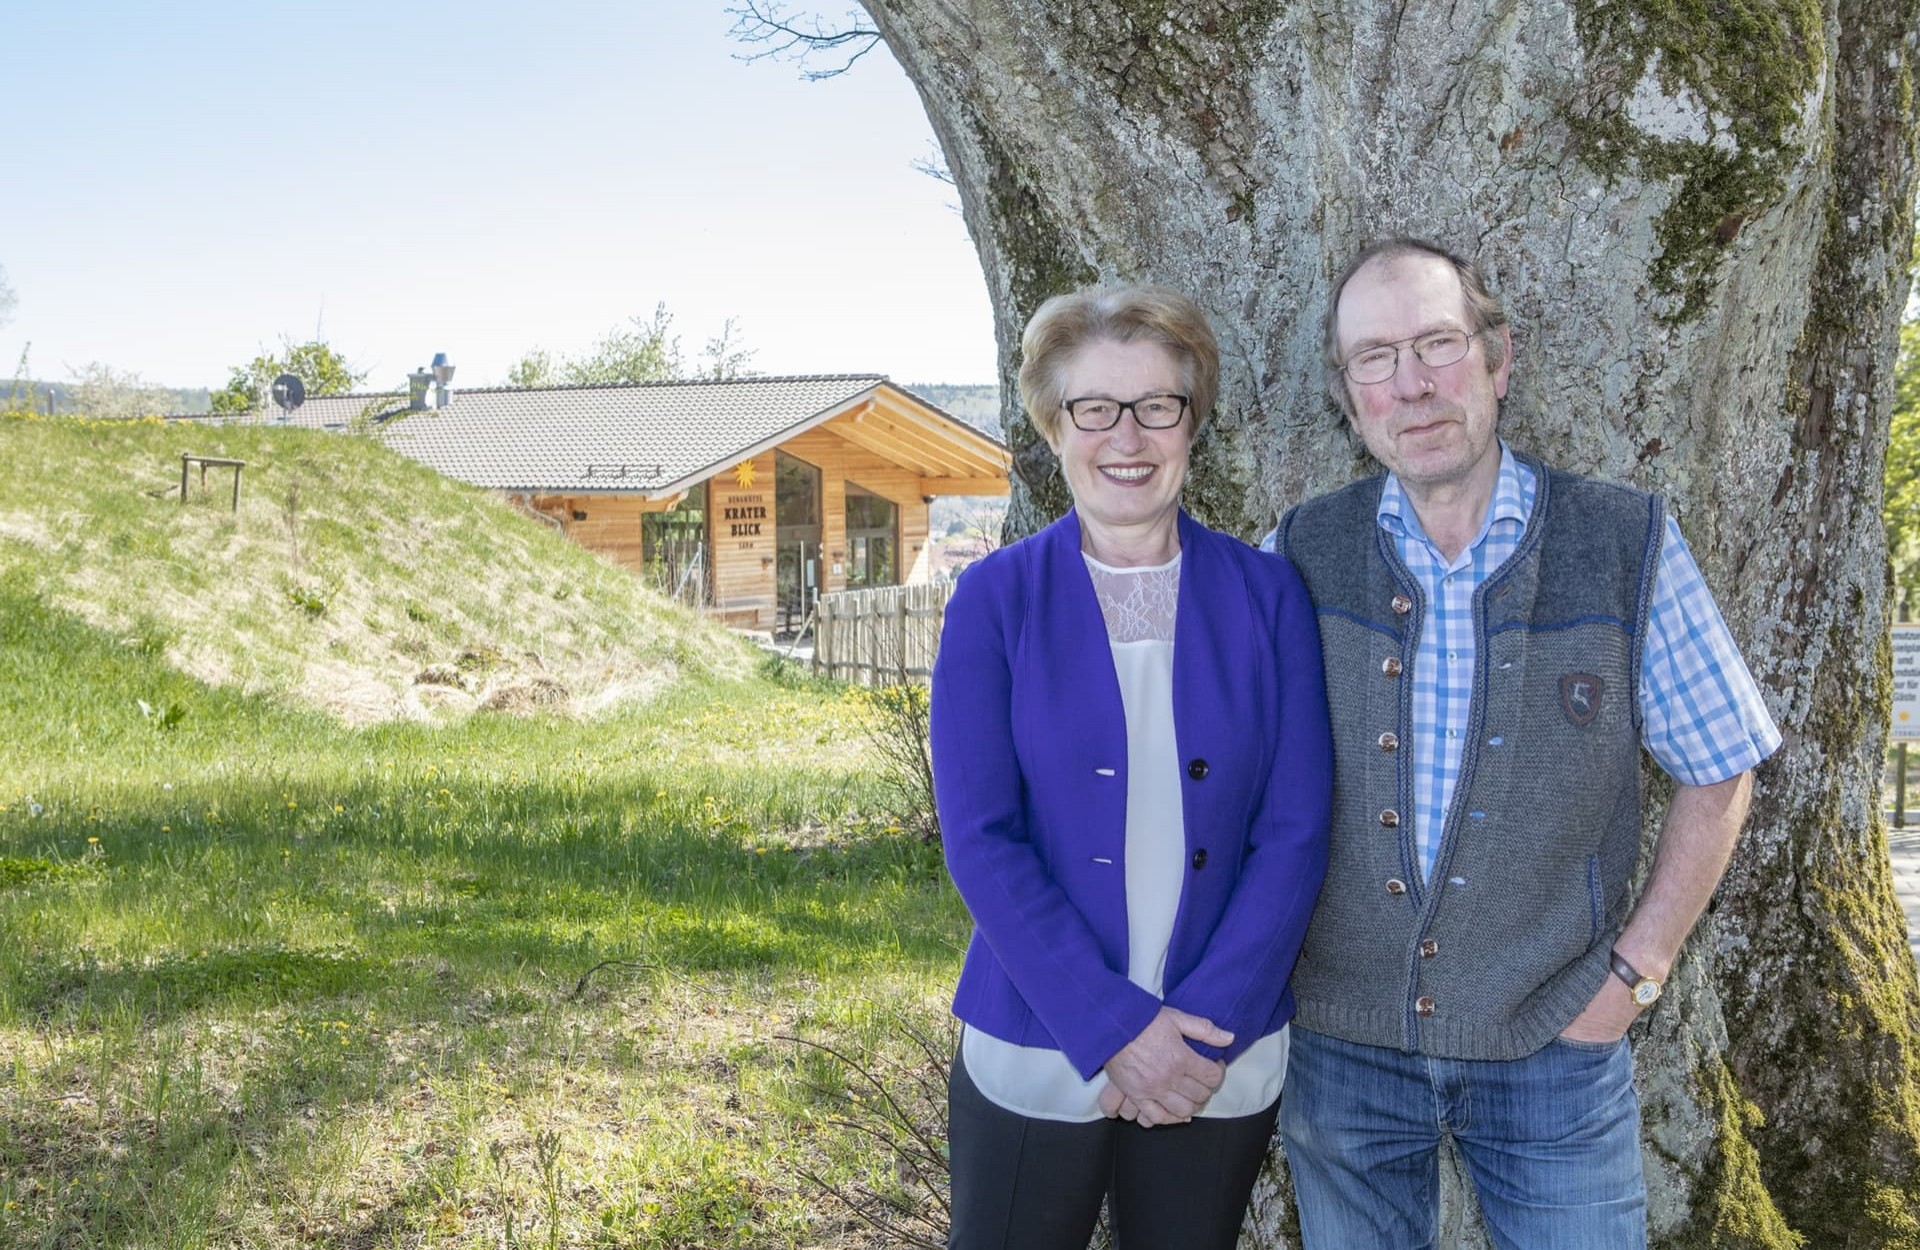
1132	766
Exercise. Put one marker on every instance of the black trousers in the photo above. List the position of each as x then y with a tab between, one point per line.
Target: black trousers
1026	1184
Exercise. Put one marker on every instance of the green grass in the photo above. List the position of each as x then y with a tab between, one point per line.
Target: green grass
276	979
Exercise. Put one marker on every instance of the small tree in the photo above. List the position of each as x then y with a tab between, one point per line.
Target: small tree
724	356
20	389
323	370
101	391
899	732
648	352
533	369
643	350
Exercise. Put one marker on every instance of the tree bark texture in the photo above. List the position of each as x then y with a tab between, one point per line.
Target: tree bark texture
1699	214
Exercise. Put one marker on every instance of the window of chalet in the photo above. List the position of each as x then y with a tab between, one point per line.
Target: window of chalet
796	510
872	539
673	547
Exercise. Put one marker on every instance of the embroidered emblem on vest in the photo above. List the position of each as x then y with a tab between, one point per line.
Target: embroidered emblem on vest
1580	697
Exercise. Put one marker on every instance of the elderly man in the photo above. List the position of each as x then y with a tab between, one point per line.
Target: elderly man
1501	639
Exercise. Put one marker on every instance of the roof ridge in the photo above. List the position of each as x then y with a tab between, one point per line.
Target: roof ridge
609	386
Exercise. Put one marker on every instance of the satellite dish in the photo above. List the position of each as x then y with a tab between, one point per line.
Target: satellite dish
289	392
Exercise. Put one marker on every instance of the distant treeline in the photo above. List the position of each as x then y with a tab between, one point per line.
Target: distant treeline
978	406
39	395
971	521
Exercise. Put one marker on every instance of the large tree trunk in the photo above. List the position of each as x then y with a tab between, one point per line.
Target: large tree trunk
1699	212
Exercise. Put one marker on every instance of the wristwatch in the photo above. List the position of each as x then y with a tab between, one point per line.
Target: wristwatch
1645	990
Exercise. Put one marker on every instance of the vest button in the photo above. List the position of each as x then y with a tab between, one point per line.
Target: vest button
1389	742
1391	666
1423	1006
1200	859
1390	819
1402	604
1429	948
1197	770
1396	887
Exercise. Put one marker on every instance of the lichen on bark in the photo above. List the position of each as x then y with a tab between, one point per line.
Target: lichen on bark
1744	69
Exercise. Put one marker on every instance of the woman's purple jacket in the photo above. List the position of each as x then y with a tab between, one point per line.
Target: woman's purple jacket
1030	776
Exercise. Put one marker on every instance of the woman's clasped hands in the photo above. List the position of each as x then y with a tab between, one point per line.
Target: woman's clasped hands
1157	1078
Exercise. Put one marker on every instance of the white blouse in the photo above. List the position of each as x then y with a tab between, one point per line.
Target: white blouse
1139	605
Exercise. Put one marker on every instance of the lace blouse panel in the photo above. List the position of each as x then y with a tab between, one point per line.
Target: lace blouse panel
1138	603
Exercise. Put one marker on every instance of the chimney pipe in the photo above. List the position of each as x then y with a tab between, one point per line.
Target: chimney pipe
442	379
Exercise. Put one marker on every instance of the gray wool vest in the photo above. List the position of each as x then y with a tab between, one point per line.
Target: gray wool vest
1509	940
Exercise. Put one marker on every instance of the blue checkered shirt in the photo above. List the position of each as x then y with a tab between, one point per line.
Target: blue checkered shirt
1702	715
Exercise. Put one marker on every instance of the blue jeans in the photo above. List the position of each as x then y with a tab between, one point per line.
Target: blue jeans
1552	1142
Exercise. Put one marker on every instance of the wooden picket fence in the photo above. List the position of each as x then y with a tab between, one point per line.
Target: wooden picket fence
878	636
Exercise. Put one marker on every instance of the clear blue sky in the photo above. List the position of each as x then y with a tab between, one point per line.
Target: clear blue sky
190	182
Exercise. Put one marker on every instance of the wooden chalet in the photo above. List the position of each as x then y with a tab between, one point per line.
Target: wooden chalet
752	496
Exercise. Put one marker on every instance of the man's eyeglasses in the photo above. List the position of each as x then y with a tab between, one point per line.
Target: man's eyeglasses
1094	413
1436	350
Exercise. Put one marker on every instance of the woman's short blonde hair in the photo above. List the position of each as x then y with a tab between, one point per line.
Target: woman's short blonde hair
1119	314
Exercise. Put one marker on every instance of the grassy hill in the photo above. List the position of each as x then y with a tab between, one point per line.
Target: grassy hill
351	579
299	954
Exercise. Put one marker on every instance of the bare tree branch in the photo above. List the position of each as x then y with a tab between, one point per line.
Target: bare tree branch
899	1106
779	36
934	165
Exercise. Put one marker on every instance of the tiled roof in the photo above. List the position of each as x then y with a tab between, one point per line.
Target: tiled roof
622	437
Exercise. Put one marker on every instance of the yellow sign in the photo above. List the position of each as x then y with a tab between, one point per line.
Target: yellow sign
743	475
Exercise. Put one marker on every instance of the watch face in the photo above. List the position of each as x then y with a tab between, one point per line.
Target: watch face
1646	992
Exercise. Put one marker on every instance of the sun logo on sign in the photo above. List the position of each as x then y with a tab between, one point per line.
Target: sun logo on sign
743	475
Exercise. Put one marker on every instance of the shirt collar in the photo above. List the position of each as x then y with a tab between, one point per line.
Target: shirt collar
1512	501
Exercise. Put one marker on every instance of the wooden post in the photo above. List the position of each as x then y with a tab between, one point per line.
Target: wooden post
188	460
870	648
901	660
1900	760
1900	788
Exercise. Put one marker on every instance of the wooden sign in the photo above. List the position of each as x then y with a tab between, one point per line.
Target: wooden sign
744	514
